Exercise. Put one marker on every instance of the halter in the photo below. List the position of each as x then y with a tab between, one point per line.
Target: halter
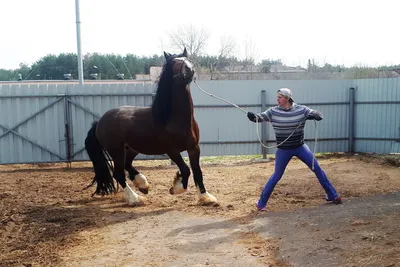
181	74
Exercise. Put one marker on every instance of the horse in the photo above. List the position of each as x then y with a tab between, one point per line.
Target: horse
167	127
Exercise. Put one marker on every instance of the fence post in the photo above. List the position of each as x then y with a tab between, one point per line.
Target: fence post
67	135
263	125
351	119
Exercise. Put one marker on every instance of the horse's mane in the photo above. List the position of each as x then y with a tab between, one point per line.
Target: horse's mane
162	104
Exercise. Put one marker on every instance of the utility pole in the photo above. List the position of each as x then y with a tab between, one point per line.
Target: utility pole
78	40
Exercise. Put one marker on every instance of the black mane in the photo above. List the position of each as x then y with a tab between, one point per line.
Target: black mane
162	104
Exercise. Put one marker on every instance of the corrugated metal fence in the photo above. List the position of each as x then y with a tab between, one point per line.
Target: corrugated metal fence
49	122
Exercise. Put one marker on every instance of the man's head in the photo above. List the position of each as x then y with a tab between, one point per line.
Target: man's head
284	96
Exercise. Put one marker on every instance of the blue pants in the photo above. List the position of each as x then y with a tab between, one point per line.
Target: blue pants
282	158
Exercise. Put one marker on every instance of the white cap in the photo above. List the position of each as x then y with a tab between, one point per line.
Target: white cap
286	92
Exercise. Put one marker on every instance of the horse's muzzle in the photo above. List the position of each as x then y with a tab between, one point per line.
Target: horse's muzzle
188	77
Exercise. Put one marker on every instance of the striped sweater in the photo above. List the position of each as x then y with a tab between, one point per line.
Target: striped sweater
284	121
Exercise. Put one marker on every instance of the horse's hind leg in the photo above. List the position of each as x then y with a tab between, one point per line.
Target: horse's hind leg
205	198
118	156
182	176
136	177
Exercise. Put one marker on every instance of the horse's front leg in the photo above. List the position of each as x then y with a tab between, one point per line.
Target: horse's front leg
180	183
205	198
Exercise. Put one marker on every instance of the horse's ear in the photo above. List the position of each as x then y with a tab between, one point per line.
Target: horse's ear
166	55
184	52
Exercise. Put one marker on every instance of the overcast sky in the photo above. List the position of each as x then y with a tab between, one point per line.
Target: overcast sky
339	32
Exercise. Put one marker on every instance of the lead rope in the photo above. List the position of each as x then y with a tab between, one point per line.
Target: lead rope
258	134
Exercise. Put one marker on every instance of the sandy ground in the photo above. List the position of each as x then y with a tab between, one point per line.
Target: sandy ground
46	218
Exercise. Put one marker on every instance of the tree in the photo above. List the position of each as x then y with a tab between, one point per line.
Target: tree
250	51
153	61
67	63
266	64
228	46
45	68
309	65
24	70
250	54
215	64
189	37
6	75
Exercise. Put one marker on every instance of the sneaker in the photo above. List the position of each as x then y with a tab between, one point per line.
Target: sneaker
260	208
336	201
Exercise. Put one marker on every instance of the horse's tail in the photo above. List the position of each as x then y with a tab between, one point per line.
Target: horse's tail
103	177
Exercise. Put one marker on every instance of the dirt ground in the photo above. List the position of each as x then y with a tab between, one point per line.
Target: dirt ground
47	219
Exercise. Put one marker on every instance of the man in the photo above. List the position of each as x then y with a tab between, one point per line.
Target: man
285	118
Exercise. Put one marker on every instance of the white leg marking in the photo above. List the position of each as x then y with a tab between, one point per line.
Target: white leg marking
131	197
207	199
141	181
177	186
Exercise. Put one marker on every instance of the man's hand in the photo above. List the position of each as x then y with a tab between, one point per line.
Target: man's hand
251	116
315	115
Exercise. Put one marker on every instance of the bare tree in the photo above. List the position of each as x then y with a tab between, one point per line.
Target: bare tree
250	55
250	50
194	39
226	50
228	46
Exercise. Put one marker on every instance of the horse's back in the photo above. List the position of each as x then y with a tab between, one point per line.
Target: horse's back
117	123
134	126
124	113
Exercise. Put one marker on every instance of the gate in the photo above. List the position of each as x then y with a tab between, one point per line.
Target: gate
83	109
49	128
32	129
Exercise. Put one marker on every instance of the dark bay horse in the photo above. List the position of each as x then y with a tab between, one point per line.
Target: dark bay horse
167	127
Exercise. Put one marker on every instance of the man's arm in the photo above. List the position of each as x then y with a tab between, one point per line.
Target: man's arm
252	117
314	115
264	116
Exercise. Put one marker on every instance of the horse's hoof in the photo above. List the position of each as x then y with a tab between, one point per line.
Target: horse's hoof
131	197
140	201
177	186
144	190
174	190
141	183
206	199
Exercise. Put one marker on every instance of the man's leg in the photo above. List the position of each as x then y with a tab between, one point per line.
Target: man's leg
282	158
305	155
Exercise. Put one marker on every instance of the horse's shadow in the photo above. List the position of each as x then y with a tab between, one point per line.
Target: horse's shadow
224	224
62	220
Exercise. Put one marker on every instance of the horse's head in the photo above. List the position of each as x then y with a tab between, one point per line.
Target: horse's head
175	77
182	68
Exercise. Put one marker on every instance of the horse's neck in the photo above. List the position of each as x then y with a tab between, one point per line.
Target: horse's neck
182	110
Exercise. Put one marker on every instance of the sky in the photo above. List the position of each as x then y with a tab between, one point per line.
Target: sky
345	32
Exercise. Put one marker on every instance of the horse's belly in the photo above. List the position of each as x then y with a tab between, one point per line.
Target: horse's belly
158	145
